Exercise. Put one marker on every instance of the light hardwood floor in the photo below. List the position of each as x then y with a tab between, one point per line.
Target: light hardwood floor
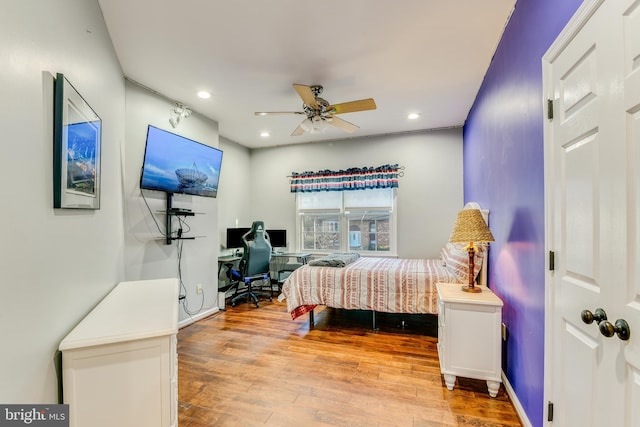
252	366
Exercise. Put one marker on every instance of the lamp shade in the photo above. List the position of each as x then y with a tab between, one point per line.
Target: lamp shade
470	227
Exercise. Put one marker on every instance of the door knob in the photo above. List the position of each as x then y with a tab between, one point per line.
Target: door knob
588	317
621	327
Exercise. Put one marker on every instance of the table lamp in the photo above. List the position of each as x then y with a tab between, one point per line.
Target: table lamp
470	228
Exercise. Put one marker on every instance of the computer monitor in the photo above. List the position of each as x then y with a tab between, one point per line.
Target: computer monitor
278	238
234	237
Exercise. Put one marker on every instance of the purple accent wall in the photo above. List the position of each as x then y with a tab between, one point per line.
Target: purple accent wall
504	172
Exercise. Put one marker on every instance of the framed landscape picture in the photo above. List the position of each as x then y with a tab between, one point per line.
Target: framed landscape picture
77	131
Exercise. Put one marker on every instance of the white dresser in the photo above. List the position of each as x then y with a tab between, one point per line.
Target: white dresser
469	333
120	363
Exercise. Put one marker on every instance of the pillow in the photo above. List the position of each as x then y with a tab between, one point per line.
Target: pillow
456	260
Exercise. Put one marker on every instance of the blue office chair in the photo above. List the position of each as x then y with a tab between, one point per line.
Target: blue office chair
254	265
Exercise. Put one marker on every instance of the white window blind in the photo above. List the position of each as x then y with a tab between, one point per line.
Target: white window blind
362	221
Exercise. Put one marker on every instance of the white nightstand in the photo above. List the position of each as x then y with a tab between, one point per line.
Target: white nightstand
469	326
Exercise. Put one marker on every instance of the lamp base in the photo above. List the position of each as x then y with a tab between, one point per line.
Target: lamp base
474	289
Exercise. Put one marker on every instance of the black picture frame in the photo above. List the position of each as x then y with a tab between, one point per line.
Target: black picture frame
77	141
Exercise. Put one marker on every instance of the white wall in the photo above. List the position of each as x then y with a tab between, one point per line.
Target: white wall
147	254
234	194
429	195
56	264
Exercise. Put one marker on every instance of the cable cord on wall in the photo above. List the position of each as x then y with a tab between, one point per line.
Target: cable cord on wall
183	288
162	233
184	227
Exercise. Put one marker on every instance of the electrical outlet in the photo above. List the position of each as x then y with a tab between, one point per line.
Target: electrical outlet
198	288
504	332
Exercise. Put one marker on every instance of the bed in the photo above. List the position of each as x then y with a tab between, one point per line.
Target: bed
389	285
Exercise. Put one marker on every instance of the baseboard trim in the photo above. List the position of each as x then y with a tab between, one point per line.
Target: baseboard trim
516	402
199	316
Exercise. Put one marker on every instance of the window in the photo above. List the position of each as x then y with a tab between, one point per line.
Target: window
369	231
321	232
361	221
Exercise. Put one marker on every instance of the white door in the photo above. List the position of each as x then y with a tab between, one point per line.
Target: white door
592	163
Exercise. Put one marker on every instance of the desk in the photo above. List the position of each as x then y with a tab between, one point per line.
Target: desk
280	264
229	258
280	260
302	258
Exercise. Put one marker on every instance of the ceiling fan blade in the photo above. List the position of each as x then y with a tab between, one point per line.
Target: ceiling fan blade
343	124
298	131
353	106
272	113
306	95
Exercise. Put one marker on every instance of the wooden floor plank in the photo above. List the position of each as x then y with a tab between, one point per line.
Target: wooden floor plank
251	366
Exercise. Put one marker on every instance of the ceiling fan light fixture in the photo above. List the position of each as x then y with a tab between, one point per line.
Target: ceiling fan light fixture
307	125
314	125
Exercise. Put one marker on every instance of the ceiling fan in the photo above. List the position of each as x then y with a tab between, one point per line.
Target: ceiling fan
320	113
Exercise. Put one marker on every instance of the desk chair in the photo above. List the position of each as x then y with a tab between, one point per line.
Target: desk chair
254	265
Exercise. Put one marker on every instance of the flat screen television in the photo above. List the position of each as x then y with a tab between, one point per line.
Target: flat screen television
175	164
278	238
234	237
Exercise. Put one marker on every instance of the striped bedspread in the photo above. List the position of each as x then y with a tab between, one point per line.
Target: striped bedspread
389	285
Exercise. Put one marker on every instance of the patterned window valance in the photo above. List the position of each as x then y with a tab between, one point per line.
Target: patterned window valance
351	179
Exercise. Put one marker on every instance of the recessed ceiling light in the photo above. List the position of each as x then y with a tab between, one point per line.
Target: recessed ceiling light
413	116
204	94
265	134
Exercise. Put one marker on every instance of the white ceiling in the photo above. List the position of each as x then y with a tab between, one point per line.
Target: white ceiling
424	56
